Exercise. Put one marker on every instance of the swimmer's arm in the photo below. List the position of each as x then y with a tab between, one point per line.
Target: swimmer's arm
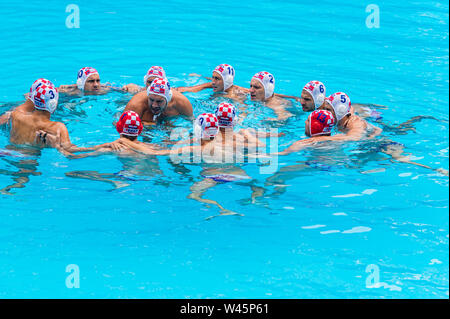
281	113
178	150
244	90
65	142
376	131
115	146
297	146
138	103
356	134
261	134
184	106
67	88
98	152
195	88
288	97
132	88
250	138
181	142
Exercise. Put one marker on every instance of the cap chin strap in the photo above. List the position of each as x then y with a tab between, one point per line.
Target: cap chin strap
155	117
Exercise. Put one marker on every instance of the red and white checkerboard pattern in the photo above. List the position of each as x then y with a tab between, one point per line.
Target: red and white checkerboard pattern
261	75
310	86
83	75
38	83
209	124
155	71
129	124
87	71
321	122
160	87
45	97
226	114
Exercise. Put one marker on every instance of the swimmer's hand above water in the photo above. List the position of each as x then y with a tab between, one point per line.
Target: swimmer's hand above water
132	88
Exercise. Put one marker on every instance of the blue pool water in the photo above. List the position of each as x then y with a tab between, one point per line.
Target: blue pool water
315	228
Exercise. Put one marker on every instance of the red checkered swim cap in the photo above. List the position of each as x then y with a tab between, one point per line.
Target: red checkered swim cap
206	125
129	124
37	84
320	123
44	95
226	114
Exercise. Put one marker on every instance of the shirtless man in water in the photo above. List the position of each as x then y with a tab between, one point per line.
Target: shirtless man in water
153	73
28	105
221	83
129	127
348	122
336	110
159	101
318	127
88	83
262	86
42	102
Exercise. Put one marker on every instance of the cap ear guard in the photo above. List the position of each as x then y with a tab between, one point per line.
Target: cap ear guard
80	84
320	98
226	71
52	104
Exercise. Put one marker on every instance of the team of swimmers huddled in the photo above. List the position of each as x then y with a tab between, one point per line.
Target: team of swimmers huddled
30	122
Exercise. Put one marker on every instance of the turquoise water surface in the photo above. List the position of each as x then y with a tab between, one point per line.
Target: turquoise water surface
341	221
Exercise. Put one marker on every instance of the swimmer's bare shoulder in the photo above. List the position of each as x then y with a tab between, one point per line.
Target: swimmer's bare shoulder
138	103
357	127
182	104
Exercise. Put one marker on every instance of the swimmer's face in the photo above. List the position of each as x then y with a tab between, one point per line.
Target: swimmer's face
326	106
156	103
92	83
149	81
307	102
256	91
217	82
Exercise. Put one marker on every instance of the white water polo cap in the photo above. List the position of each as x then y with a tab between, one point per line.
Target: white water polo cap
45	97
226	71
155	71
317	91
268	81
162	88
206	126
341	104
226	114
83	75
37	84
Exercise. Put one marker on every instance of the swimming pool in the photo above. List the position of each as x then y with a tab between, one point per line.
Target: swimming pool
327	224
